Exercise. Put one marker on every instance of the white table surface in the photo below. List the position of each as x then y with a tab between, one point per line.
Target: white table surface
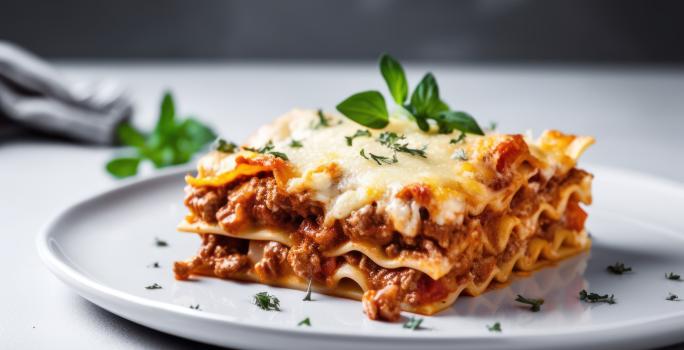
636	114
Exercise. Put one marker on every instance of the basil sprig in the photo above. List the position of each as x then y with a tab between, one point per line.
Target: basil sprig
173	141
368	108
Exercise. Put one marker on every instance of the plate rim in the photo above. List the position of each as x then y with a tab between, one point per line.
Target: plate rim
650	327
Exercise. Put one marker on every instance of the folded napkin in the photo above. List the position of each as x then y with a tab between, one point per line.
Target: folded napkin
33	94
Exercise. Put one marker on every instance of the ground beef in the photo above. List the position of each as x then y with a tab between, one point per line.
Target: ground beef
228	265
324	236
204	202
221	256
305	259
369	224
482	267
260	201
441	234
183	269
269	266
525	202
382	304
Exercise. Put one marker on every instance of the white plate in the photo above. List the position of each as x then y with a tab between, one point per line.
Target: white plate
102	247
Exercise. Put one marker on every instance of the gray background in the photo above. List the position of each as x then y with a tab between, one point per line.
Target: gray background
522	31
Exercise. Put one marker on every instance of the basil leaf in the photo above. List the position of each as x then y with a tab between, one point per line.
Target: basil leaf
366	108
167	114
196	133
439	107
425	98
422	124
130	136
123	167
160	156
395	78
462	121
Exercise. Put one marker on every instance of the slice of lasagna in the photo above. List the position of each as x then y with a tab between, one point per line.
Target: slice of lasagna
398	218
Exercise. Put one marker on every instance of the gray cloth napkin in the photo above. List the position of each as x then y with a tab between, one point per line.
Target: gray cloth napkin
33	94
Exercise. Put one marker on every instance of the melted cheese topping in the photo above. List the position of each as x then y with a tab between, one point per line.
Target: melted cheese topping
335	174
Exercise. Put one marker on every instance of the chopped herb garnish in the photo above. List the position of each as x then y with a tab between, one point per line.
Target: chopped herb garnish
460	154
492	126
379	159
673	276
412	151
173	141
154	265
322	122
154	286
413	323
460	138
160	242
618	268
390	138
195	307
296	144
304	322
266	301
596	298
280	155
672	297
358	133
368	108
392	141
307	297
224	146
535	304
268	149
496	327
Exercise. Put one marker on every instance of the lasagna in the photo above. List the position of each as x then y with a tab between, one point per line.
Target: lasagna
397	218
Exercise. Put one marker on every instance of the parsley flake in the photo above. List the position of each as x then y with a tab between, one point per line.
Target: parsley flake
307	297
268	149
160	242
392	141
596	298
492	126
460	138
304	322
672	297
322	122
154	286
673	276
358	133
618	268
535	304
154	265
496	327
413	323
266	301
460	154
380	160
224	146
296	144
196	307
